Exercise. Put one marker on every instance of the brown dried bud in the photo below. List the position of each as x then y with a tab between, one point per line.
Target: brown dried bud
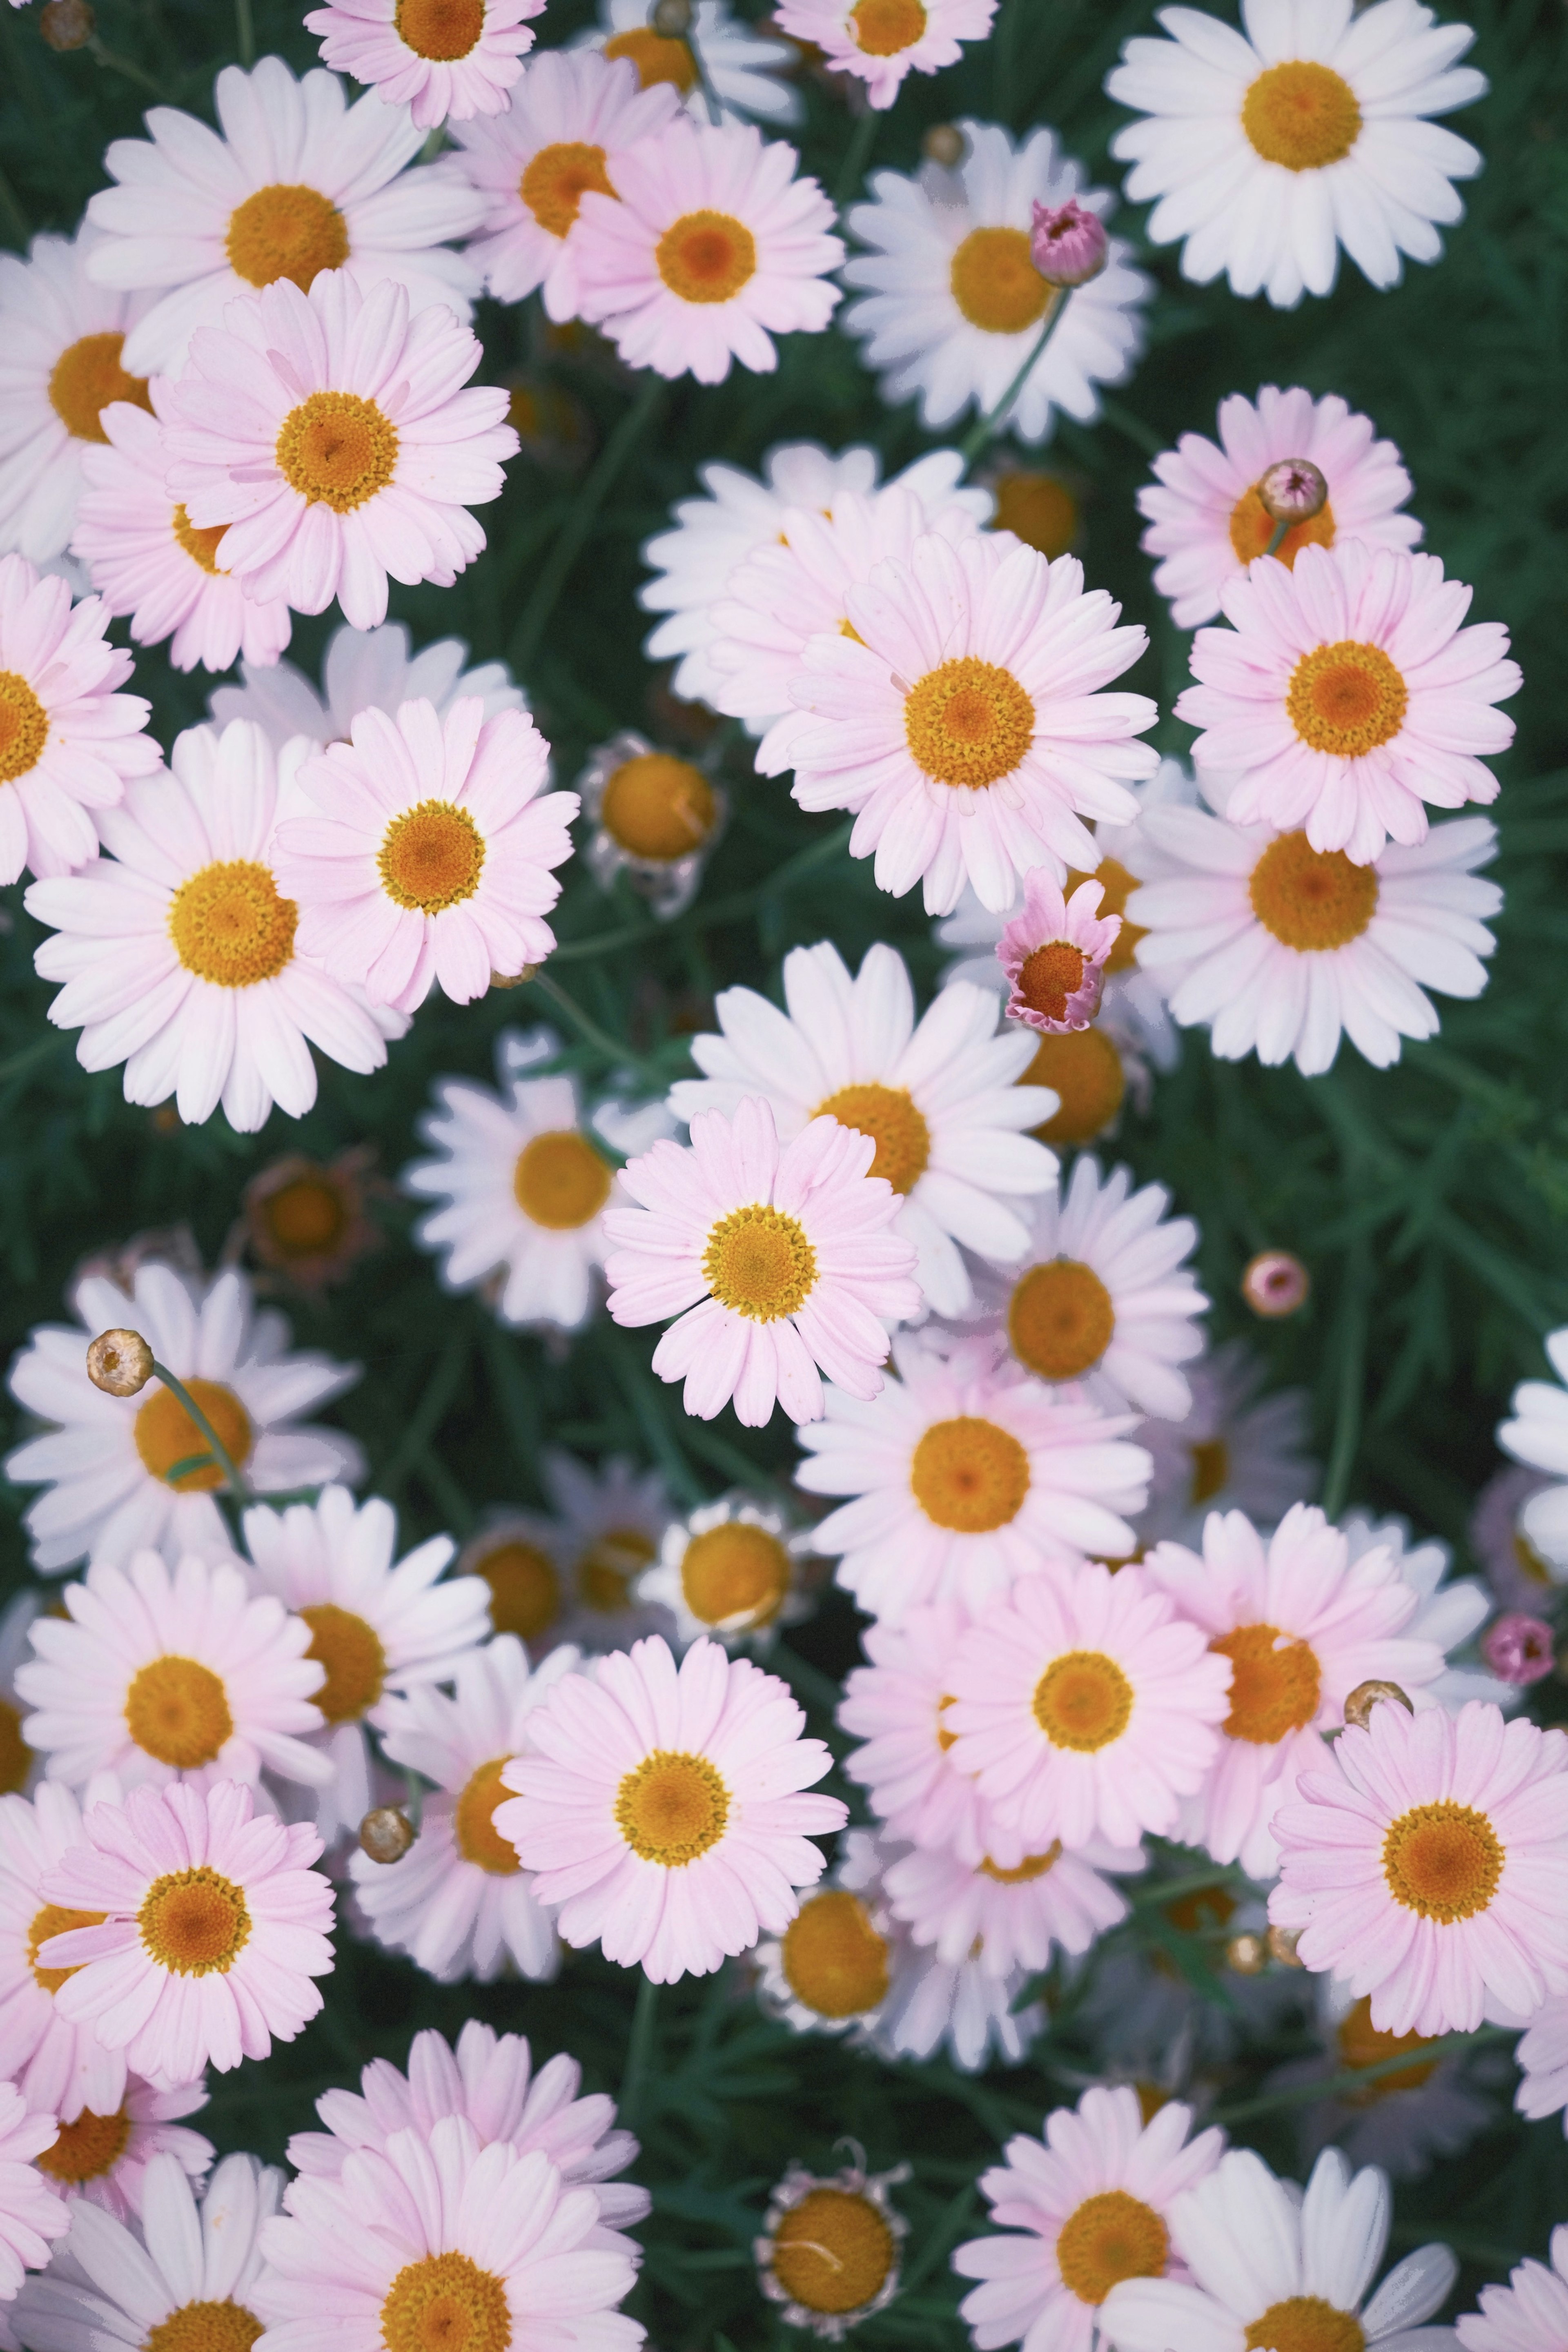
513	978
1293	491
1276	1283
67	25
945	144
387	1833
120	1362
1282	1943
671	19
1248	1955
1365	1697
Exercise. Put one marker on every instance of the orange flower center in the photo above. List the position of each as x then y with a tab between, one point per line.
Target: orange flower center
671	1808
200	545
736	1576
86	377
1084	1070
969	1474
86	2148
1117	885
882	28
968	722
760	1264
605	1572
445	2303
1274	1684
560	1181
525	1589
706	257
1361	2044
1083	1701
1111	2237
1305	2322
834	1961
23	727
172	1448
16	1755
833	2251
658	807
1305	116
440	29
231	926
995	284
431	857
307	1216
656	58
194	1923
1252	526
473	1822
337	450
1443	1861
205	2327
1037	508
1311	899
177	1710
354	1660
556	180
55	1920
286	231
1060	1319
888	1116
1346	698
1210	1458
1051	974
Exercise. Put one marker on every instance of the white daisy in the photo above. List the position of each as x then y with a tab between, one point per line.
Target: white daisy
932	2004
881	41
363	669
1538	1435
830	2251
612	1522
443	60
1236	1450
741	65
1268	151
1541	2056
830	1969
657	819
104	2158
1401	2120
953	304
62	2067
1519	1575
1529	2315
731	1570
106	1459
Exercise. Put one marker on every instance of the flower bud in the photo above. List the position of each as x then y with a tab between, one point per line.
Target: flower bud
1292	491
1248	1955
1518	1649
1366	1696
1282	1943
1067	243
66	25
120	1362
1276	1283
943	143
387	1833
671	19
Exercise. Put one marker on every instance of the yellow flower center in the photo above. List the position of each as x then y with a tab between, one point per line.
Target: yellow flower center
1084	1070
354	1660
1210	1458
473	1822
167	1437
882	28
606	1571
1083	1701
87	2147
16	1755
1305	116
1311	899
286	231
656	58
431	857
194	1923
556	180
968	723
833	2251
887	1115
1060	1319
1274	1684
1442	1860
671	1808
760	1264
1360	2044
560	1181
440	29
1023	1874
995	284
230	925
658	807
55	1920
834	1961
1305	2322
969	1474
525	1589
23	727
337	450
205	2327
200	545
1252	527
1051	973
1037	508
86	377
445	2303
1346	698
736	1576
177	1710
1109	2237
706	256
306	1217
1117	885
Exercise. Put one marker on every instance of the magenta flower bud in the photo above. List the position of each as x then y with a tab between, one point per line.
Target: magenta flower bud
1067	243
1518	1649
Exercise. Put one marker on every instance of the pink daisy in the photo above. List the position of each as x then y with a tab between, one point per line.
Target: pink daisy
428	855
1055	953
443	60
1428	1866
1086	1708
709	248
775	1260
331	432
897	1706
1345	693
103	2159
32	2209
1207	522
1010	1914
660	1806
1530	2314
213	1928
60	2066
1094	2197
881	41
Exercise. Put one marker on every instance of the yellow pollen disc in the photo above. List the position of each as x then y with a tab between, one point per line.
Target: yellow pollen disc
671	1808
166	1436
656	58
431	857
337	450
87	2147
473	1822
887	1115
560	1180
606	1571
178	1711
1305	2322
1529	1560
1252	529
1083	1701
307	1217
706	256
440	29
658	807
1033	1866
286	231
1305	116
23	727
1442	1860
55	1920
1060	1319
200	545
230	925
882	28
525	1589
16	1755
969	1474
1050	976
205	2327
557	179
352	1653
1084	1070
445	2303
833	2251
834	1961
995	284
1274	1684
1361	2044
1211	1468
1038	509
1207	1906
735	1575
1109	2237
1311	899
194	1922
1117	885
85	378
968	723
1346	698
759	1264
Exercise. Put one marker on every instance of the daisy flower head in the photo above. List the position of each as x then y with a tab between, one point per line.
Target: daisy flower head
61	2067
1266	160
332	433
1521	1575
962	1475
1426	1866
1236	1450
831	2247
657	819
104	2158
950	305
829	1971
1053	954
661	1807
777	1261
1086	1708
1537	1435
298	183
120	1470
208	1928
881	41
1530	2314
744	68
1346	694
519	1558
1010	1916
1094	2198
180	955
733	1571
708	248
897	1707
939	1097
611	1523
428	858
1401	2120
32	2210
445	61
362	667
308	1220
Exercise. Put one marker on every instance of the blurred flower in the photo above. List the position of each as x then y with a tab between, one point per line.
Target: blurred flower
1521	1576
1538	1435
1522	1650
1530	2314
517	1554
613	1521
1275	1284
1041	508
363	669
656	818
1234	1451
881	41
1541	2054
104	2158
443	60
732	1569
554	428
1401	2120
305	1219
744	70
830	2249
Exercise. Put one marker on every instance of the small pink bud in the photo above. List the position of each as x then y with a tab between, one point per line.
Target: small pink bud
1518	1649
1067	244
1275	1284
1293	491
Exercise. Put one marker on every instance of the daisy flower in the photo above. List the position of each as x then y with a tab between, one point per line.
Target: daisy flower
61	2067
307	1219
333	435
1530	2314
458	1903
933	2004
104	2158
68	742
180	955
659	1806
964	1474
1053	954
374	1629
830	1969
1541	2056
776	1260
1426	1866
61	342
1262	2259
831	2247
299	183
1401	2121
107	1460
1010	1916
1347	694
1234	1451
896	1706
939	1099
964	722
32	2209
443	60
708	248
732	1570
362	667
185	1882
1265	161
572	118
953	305
881	41
1537	1436
517	1555
428	858
742	67
657	819
1519	1574
1448	1611
1094	2197
612	1521
1206	521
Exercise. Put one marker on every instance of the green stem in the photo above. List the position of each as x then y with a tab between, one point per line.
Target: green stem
586	1025
991	425
1356	2078
640	2051
245	32
857	155
1276	539
709	95
124	65
218	1450
580	521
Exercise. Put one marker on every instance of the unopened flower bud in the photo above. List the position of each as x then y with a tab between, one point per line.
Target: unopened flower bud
1366	1696
120	1362
1293	491
1067	243
1276	1283
1282	1943
67	25
1518	1649
1248	1955
387	1833
943	143
671	19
